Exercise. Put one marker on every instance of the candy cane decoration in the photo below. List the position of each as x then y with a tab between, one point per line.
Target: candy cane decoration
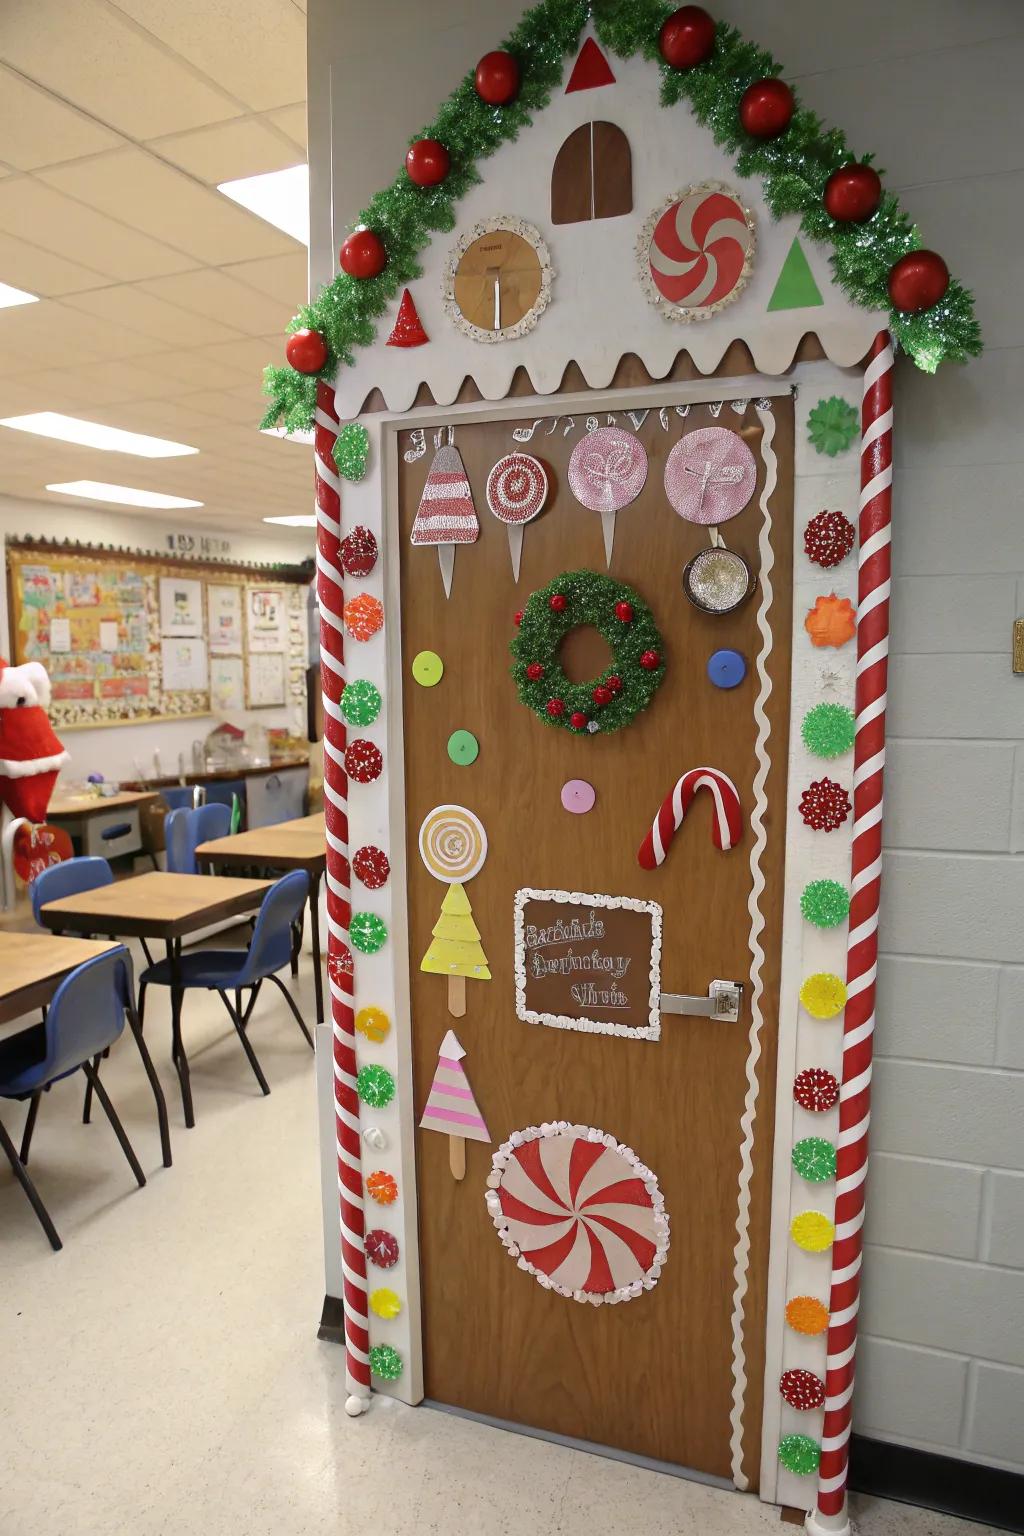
339	907
873	569
726	829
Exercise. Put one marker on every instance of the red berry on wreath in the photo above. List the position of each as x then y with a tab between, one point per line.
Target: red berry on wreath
558	603
766	108
918	281
578	720
358	552
613	684
517	618
601	695
535	671
687	37
624	612
853	193
555	708
497	78
363	254
828	538
650	661
306	351
427	162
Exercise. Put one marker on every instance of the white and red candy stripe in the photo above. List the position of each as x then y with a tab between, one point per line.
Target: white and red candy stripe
874	568
339	901
726	828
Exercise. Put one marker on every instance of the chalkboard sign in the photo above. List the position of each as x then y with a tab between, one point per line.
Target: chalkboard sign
590	963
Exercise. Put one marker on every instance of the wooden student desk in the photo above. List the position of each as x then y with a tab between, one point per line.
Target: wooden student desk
300	844
106	825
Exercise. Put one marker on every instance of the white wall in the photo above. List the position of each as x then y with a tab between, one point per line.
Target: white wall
113	750
932	87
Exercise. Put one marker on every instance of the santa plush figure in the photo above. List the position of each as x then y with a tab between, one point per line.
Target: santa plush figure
31	756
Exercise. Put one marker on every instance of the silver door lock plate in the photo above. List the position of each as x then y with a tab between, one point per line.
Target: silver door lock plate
723	1002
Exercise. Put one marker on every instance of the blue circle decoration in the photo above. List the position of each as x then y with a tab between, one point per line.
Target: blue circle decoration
726	669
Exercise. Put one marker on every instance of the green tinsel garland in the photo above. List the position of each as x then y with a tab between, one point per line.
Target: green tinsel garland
385	1362
794	168
825	903
375	1086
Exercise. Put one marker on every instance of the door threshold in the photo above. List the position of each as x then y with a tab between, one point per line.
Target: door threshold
609	1452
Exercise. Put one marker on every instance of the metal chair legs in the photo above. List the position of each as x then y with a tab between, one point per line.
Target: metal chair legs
294	1008
21	1174
30	1125
126	1147
240	1020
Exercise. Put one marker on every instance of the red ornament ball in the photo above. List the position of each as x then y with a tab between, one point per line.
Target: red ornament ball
427	162
624	612
802	1389
497	78
558	603
363	254
358	552
687	37
371	866
601	695
381	1248
828	538
816	1090
853	193
613	684
363	761
555	708
517	618
535	671
650	661
918	281
306	351
578	720
824	805
766	108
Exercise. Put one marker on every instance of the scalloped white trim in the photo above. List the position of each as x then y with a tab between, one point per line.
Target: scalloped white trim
503	1157
652	1031
532	236
682	312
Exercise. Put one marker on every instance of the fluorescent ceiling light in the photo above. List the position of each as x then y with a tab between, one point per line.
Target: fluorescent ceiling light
92	434
280	197
294	520
299	435
120	495
9	296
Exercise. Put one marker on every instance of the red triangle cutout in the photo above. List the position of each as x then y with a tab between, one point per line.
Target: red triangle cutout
590	70
408	328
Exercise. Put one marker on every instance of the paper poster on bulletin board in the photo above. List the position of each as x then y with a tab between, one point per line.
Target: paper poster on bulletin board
225	620
266	619
227	686
266	680
181	606
183	665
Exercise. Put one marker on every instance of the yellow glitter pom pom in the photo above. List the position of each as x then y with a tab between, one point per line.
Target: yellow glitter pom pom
823	995
812	1231
385	1303
373	1023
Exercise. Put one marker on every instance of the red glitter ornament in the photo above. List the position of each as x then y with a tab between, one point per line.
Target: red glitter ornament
497	78
427	162
766	108
824	805
918	281
613	684
306	351
381	1248
517	618
650	661
382	1187
687	37
802	1389
359	552
624	612
601	695
816	1090
362	254
339	965
407	330
558	603
371	866
578	720
363	761
828	538
853	193
555	708
535	671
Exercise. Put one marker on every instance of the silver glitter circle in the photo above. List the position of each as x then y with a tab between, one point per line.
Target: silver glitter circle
717	580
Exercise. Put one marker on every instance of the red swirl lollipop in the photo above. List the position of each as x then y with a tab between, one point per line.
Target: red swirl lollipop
517	488
381	1248
698	257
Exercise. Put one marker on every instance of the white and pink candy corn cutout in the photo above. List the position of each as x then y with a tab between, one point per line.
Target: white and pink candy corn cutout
446	515
710	476
517	488
608	470
726	825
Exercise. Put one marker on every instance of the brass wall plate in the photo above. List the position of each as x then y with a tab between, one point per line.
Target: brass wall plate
1018	645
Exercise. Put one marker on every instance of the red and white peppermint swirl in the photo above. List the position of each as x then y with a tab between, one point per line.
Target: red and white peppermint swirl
698	256
517	488
726	826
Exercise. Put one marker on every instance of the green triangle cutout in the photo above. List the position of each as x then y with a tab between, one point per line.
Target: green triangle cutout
796	288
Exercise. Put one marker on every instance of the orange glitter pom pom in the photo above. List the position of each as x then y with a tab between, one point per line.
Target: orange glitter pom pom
382	1187
832	621
806	1314
364	616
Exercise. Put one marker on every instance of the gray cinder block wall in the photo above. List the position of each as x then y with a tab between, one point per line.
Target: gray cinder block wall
932	87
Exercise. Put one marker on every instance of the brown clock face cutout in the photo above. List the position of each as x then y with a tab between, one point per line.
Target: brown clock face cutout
498	280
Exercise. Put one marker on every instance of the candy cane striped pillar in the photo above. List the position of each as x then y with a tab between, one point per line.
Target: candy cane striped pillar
339	907
874	566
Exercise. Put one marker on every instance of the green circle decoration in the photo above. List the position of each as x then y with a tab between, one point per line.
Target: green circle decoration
463	748
427	668
828	730
800	1454
385	1362
832	425
368	932
360	702
825	903
375	1085
352	451
625	621
814	1159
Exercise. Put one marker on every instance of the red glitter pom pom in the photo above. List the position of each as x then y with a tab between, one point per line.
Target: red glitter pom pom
650	661
578	720
535	671
815	1089
359	552
363	761
371	866
517	618
802	1389
601	696
624	612
555	708
614	684
339	965
381	1248
828	539
824	805
558	603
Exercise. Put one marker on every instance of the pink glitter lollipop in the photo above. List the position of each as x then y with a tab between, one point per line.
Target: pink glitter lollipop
710	476
607	471
517	488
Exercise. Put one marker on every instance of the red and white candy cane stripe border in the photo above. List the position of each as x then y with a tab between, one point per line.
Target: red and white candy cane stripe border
339	903
726	828
873	570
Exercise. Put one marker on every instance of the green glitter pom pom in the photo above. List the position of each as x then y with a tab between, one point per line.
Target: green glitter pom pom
360	702
352	450
368	932
828	730
375	1085
385	1362
825	903
814	1159
800	1454
832	425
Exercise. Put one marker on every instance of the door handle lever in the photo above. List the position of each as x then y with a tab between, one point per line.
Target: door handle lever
722	1002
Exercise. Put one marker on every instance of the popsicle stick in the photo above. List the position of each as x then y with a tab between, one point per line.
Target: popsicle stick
515	547
457	1156
446	560
457	996
608	529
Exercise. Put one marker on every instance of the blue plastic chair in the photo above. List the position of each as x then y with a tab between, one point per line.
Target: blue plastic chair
83	1020
177	797
184	830
236	970
68	879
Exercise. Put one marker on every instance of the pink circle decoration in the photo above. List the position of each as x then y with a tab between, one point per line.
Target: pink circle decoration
698	252
579	1212
517	488
608	469
710	476
578	796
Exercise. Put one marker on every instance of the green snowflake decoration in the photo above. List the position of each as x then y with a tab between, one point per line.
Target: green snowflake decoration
385	1362
828	730
825	903
375	1086
832	425
814	1159
360	702
368	932
800	1454
351	451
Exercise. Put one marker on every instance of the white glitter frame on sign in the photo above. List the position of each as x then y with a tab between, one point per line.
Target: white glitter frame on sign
533	237
643	247
652	1031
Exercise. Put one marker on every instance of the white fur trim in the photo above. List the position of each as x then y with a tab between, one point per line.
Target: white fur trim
28	767
30	683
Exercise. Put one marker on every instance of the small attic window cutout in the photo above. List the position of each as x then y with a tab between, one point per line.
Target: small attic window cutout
592	177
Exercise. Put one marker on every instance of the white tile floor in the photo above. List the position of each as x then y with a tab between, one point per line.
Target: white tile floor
162	1374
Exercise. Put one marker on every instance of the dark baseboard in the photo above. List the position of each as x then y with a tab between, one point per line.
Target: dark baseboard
945	1483
332	1321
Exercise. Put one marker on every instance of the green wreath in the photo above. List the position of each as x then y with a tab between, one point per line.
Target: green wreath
627	686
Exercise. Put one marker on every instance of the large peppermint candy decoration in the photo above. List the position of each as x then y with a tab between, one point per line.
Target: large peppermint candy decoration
695	252
453	843
579	1211
517	488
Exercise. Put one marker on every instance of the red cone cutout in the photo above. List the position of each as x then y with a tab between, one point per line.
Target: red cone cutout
590	70
408	328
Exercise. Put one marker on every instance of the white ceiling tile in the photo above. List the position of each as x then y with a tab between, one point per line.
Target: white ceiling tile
211	293
26	266
38	129
245	147
59	224
128	305
284	278
196	372
292	121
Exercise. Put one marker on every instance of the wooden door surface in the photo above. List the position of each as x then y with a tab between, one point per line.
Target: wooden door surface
652	1376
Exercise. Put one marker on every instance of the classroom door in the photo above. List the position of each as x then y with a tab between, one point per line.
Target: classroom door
655	1374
